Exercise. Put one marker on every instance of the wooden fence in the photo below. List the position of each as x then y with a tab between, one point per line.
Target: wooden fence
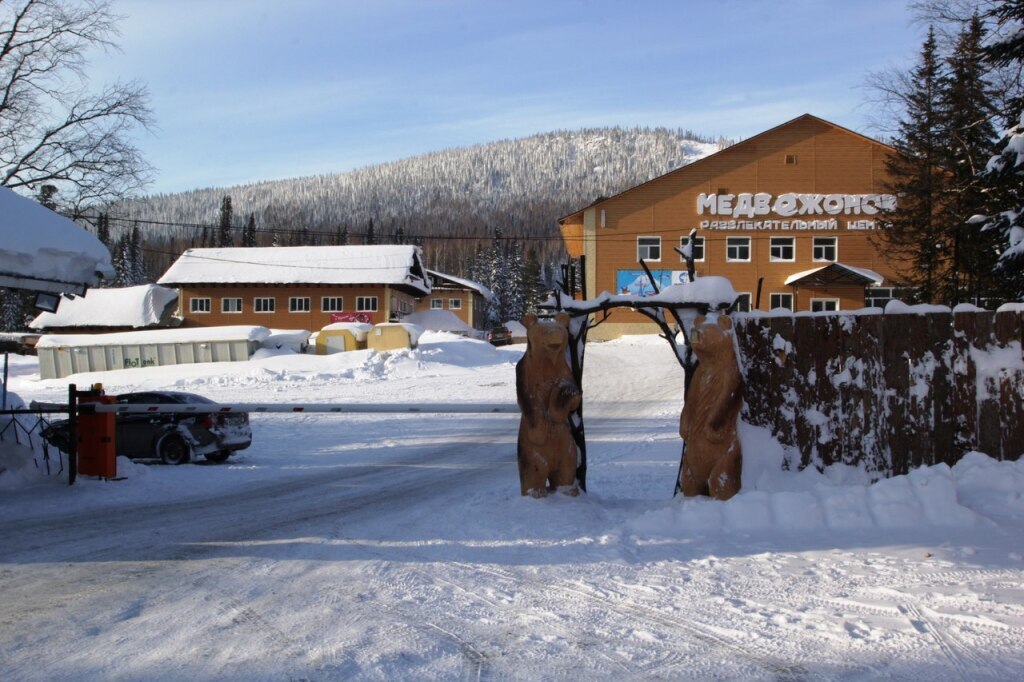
887	392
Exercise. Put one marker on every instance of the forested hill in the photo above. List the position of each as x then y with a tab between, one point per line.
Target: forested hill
447	201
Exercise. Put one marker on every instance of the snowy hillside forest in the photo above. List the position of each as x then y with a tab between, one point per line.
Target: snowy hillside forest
451	202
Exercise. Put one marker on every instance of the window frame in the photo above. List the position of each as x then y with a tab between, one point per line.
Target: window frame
292	307
782	244
834	246
361	307
833	301
454	304
325	309
750	301
224	307
260	301
196	309
698	243
639	246
437	304
786	294
728	246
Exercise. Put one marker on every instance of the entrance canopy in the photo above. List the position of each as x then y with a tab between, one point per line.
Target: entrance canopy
43	251
835	273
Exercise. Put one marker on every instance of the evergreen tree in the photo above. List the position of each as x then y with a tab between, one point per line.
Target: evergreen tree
12	310
46	196
967	110
224	237
371	238
137	267
121	261
1004	173
400	235
249	232
103	229
915	234
534	288
343	237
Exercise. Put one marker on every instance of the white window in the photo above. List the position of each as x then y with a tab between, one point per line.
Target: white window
298	304
199	305
455	303
781	301
737	249
263	304
437	304
366	304
825	249
783	249
332	304
231	305
821	305
648	248
698	248
877	297
743	302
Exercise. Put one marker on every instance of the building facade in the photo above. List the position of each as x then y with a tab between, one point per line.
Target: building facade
302	287
464	298
790	216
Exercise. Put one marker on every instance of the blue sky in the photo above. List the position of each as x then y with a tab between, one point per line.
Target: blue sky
248	90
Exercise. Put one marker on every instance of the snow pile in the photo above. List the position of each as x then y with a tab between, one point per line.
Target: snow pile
189	335
141	306
40	243
438	321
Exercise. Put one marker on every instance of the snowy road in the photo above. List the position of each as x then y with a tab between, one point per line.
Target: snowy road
375	547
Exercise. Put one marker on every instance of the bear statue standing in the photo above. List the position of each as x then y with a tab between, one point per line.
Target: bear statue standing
713	462
547	395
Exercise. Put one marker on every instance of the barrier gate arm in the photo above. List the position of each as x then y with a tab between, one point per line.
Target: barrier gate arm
261	408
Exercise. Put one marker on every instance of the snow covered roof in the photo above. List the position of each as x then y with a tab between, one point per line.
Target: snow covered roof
141	306
836	273
192	334
43	251
377	264
466	283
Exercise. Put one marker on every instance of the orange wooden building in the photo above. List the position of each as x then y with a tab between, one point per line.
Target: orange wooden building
298	287
789	212
464	298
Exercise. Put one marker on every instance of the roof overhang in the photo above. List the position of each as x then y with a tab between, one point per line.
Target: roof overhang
835	274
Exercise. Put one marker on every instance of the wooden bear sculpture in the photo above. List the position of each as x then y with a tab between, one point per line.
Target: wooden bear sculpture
712	463
547	395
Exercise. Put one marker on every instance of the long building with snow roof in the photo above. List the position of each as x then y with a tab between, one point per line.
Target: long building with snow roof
298	287
790	216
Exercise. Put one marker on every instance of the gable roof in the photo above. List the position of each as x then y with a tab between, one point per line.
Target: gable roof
463	283
835	273
135	307
728	150
400	265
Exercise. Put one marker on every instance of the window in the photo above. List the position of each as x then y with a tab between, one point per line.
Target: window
366	304
825	249
790	159
604	218
332	304
737	249
231	305
455	303
648	248
263	304
781	301
783	249
298	304
877	297
199	305
821	305
698	248
743	303
437	304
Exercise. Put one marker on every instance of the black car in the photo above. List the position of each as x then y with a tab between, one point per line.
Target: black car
173	437
499	336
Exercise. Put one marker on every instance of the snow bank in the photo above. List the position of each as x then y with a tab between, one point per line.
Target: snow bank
438	321
140	306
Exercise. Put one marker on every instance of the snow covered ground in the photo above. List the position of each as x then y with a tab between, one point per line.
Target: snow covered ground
398	547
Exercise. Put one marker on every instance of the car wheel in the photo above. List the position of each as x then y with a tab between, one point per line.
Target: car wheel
218	457
174	450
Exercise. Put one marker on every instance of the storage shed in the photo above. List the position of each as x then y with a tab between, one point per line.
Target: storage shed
393	336
63	355
342	336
